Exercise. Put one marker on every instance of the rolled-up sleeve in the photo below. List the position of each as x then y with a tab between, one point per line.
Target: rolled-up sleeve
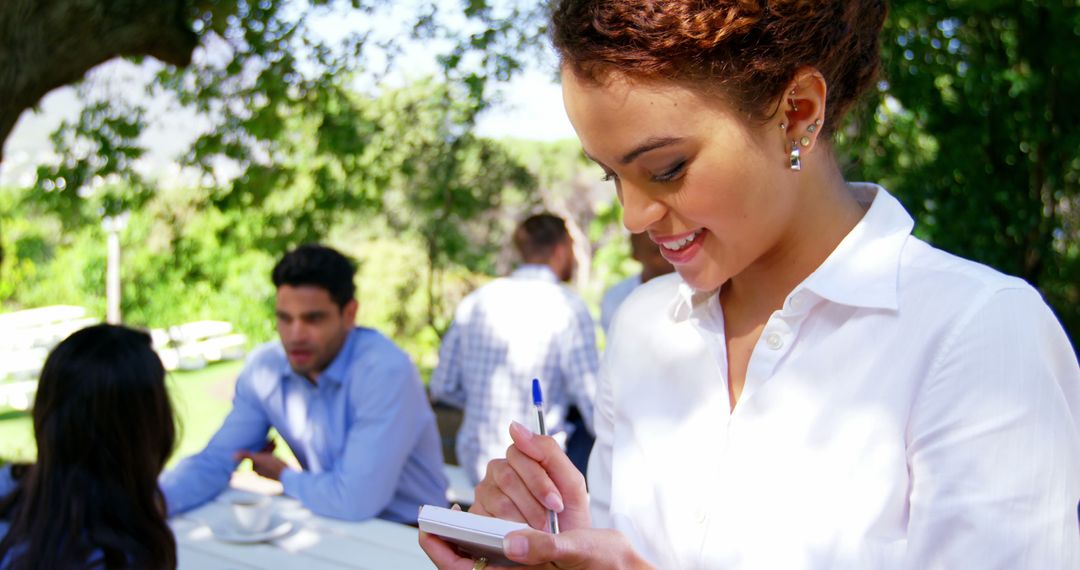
994	443
446	381
201	477
579	362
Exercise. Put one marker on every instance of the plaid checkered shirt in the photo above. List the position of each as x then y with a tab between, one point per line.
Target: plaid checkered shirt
505	334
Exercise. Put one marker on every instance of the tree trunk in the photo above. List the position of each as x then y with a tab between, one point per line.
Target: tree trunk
45	44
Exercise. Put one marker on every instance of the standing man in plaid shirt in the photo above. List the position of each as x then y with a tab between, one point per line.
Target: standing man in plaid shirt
528	325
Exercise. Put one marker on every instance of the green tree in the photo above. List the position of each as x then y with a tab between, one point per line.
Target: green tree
263	66
972	127
420	178
975	132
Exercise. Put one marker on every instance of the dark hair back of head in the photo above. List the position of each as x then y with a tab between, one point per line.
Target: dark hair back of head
746	50
536	237
104	428
319	266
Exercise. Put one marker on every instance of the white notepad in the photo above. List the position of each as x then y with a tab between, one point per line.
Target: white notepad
475	535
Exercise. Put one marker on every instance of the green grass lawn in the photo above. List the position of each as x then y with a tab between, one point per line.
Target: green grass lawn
201	399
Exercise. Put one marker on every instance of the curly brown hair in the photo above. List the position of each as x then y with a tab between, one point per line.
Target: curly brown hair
745	50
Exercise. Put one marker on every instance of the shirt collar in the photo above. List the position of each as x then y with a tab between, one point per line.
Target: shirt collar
862	271
535	271
335	373
687	300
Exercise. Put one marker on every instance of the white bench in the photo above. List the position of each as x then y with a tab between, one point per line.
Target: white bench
193	345
21	364
26	337
29	318
18	395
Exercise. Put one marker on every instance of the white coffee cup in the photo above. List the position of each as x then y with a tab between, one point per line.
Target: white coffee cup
251	513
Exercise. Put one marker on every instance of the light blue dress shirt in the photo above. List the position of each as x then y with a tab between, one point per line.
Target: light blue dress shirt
365	435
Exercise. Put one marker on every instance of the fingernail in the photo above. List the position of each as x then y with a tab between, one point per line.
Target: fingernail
516	546
553	502
522	431
455	507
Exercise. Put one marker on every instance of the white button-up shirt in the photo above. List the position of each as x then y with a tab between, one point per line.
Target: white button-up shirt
904	409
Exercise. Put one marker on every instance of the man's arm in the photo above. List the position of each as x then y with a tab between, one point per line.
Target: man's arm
993	443
388	417
203	476
579	362
446	385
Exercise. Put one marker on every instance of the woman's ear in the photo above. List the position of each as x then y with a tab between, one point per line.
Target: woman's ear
802	107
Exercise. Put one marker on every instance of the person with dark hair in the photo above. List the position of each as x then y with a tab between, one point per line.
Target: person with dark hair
348	402
653	264
524	326
542	239
104	428
815	388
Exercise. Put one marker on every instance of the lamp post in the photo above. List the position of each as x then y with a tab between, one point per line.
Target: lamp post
113	225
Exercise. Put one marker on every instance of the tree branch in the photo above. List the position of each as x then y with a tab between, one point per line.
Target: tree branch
45	44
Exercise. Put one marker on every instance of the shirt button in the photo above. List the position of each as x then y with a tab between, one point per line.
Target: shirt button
774	341
701	516
796	301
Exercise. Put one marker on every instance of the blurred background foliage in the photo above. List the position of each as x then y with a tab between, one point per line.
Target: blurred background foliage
973	127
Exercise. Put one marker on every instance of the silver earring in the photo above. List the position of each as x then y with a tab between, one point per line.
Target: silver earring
782	126
796	161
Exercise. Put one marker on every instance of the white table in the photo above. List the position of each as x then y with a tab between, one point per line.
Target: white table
314	543
460	490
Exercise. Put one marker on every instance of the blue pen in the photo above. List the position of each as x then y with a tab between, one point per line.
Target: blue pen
538	401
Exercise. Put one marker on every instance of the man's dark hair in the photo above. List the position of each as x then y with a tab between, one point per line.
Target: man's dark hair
319	266
537	236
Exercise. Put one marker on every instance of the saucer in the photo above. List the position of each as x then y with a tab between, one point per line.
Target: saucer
229	533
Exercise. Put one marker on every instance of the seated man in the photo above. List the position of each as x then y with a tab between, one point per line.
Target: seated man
348	402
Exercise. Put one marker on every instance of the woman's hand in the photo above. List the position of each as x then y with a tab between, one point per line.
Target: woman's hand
443	554
586	548
535	476
581	549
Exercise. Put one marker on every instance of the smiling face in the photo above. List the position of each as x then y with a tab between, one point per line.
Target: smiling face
709	186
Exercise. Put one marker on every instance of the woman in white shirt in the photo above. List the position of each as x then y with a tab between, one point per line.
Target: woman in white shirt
816	388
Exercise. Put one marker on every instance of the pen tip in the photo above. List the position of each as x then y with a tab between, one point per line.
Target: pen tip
538	398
